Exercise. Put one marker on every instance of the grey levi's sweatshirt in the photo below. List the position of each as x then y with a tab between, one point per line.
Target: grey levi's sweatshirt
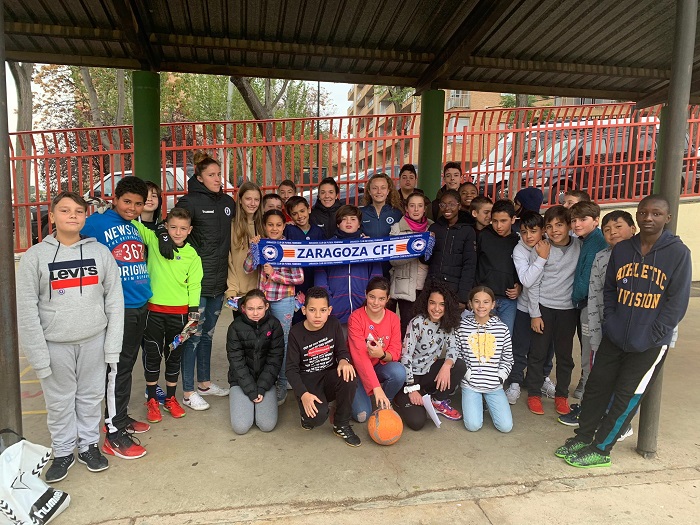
68	294
553	288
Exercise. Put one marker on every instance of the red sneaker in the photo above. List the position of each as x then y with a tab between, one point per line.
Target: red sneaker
123	446
445	409
561	405
153	414
534	403
171	405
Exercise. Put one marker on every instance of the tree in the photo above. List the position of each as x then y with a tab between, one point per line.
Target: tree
22	74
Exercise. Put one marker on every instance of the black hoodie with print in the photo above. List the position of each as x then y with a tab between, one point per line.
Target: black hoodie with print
646	296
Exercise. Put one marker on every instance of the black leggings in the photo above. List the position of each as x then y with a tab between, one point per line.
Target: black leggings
160	331
414	416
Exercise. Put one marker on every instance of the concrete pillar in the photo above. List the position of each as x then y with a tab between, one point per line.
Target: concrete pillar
670	174
146	96
432	131
10	394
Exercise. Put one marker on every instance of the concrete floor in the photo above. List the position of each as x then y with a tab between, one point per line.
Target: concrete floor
199	472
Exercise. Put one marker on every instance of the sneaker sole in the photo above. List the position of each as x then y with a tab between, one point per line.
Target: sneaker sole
625	436
573	425
199	409
92	469
154	420
129	428
111	452
513	401
537	413
210	394
64	476
562	413
176	417
450	417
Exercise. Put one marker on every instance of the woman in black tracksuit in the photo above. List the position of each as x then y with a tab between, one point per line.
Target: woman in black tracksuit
454	256
255	348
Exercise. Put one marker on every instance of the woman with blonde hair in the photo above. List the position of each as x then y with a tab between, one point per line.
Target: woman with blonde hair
382	206
246	225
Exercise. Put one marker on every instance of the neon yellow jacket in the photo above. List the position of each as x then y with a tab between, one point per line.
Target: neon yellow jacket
176	282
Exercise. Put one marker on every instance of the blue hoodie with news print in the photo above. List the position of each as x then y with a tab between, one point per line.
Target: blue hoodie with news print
646	296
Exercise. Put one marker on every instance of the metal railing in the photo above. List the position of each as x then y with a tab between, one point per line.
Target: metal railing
501	149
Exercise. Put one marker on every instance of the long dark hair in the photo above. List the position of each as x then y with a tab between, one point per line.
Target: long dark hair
254	293
451	318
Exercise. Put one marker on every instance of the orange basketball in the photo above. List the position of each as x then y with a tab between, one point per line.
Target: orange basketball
385	426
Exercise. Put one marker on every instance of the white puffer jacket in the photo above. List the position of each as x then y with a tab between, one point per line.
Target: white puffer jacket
405	272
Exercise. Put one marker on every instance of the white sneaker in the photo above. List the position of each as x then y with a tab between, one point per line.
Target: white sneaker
213	390
548	388
513	393
195	402
627	433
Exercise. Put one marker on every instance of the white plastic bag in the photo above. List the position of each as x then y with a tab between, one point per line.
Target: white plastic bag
24	497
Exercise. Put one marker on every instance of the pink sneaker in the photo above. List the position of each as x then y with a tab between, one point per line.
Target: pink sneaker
445	409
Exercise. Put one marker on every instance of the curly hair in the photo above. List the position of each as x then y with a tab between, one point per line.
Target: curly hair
451	318
393	198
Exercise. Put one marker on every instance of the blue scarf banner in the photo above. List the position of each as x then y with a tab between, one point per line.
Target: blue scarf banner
348	251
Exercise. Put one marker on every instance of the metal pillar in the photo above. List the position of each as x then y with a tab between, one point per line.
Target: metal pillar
670	185
10	394
146	96
432	130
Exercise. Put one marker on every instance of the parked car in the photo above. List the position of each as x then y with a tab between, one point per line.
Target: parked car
608	159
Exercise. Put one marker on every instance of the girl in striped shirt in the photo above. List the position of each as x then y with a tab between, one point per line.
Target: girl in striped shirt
485	346
278	284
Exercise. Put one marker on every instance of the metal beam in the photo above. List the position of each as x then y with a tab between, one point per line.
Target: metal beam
478	22
512	64
10	393
135	35
73	60
670	186
71	32
290	48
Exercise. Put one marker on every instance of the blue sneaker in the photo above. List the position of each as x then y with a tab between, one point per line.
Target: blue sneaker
160	395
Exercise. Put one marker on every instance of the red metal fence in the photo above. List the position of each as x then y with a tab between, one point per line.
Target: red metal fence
608	150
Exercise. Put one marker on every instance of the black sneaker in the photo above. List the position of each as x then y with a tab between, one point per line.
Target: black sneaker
571	419
59	468
348	434
306	426
94	459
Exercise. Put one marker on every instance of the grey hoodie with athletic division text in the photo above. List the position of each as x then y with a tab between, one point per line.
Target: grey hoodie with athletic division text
68	294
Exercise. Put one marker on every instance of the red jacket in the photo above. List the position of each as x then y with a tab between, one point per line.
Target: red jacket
359	328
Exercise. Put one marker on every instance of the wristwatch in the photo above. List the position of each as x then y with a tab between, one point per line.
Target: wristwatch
411	388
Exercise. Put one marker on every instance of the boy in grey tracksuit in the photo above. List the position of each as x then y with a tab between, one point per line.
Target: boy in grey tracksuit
70	312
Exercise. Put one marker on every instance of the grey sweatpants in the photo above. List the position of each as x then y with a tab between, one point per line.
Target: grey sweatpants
74	392
244	412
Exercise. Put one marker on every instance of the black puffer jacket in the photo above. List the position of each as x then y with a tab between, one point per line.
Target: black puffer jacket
454	257
211	232
255	354
324	217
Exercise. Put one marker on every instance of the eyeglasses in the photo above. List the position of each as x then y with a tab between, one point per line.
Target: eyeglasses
448	205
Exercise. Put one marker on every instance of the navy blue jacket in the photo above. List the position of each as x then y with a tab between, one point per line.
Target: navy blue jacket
646	296
374	225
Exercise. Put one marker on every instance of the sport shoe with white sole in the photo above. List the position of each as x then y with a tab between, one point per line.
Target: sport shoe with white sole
59	468
513	393
195	402
548	388
213	390
94	459
625	434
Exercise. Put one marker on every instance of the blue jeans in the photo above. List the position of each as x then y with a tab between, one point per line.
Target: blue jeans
198	347
473	409
391	376
505	309
283	311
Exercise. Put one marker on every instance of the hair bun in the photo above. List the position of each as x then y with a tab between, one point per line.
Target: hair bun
199	156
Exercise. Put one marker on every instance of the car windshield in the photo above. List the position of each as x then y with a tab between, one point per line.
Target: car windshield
555	154
501	152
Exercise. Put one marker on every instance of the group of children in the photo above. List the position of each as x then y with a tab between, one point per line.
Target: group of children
504	292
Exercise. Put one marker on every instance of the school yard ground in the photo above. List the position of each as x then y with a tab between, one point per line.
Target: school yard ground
198	472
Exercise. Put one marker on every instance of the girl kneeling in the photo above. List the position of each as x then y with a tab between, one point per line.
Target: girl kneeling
374	340
431	334
486	347
255	347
